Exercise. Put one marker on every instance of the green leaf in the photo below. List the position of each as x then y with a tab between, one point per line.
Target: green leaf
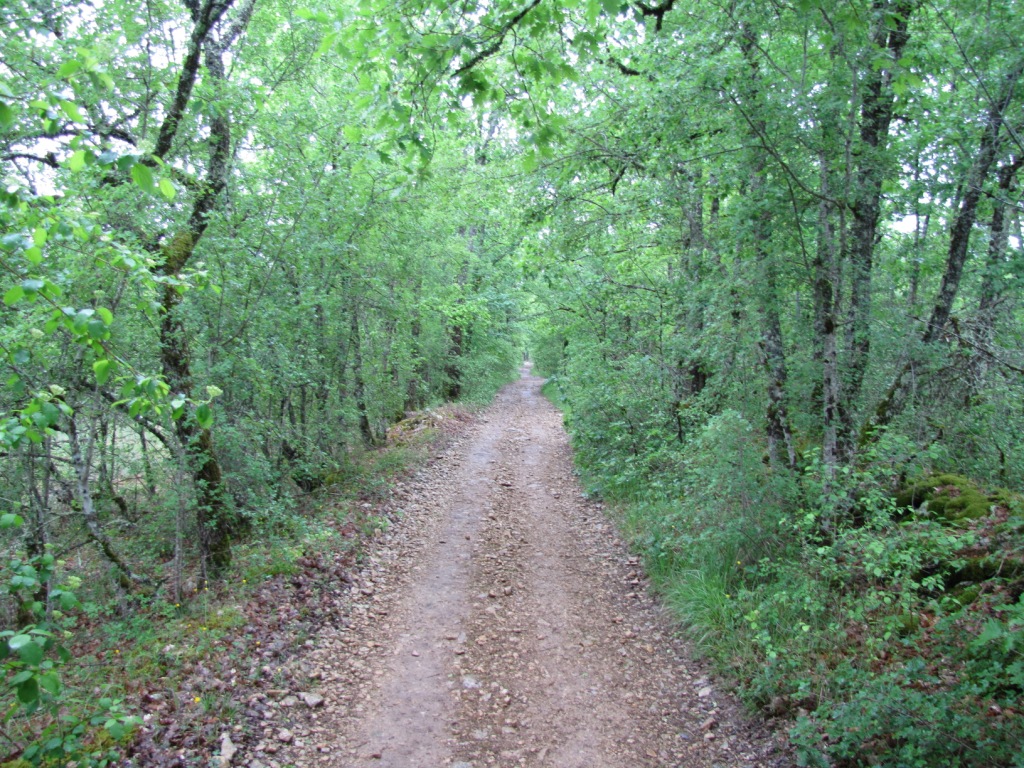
18	642
28	691
7	115
77	161
327	43
204	415
72	111
34	255
10	520
12	241
97	329
50	681
81	318
32	285
68	68
14	295
142	176
31	653
39	236
167	189
103	368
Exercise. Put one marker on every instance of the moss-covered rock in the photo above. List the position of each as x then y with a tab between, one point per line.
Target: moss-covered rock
965	595
952	498
979	569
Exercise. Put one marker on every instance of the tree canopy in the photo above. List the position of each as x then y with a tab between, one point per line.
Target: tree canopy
769	253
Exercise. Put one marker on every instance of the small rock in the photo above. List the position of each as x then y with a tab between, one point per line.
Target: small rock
227	750
705	691
777	706
285	736
312	700
708	724
289	701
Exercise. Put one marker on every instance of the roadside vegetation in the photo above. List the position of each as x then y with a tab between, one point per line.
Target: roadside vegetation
780	304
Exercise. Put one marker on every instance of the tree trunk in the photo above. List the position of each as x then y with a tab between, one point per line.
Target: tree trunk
773	356
359	391
83	492
991	296
895	398
876	117
215	520
827	328
36	528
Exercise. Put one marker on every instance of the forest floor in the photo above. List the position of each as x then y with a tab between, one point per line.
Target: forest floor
498	620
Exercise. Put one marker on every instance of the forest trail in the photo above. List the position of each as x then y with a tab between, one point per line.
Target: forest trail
501	622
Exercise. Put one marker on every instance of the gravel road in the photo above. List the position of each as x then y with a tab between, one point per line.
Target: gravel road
501	622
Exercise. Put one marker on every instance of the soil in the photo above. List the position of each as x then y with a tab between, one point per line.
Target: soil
498	620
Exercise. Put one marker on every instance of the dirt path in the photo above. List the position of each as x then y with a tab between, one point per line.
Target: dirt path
502	623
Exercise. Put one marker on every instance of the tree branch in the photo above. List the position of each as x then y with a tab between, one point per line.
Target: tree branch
206	17
496	46
92	524
657	11
49	158
624	69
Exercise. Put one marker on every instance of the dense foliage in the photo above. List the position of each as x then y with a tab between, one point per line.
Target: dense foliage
769	254
780	273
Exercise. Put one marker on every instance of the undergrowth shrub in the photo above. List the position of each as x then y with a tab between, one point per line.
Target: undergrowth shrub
825	598
45	721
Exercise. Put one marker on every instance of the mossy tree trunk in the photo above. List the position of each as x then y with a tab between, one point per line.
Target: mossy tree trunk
216	522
